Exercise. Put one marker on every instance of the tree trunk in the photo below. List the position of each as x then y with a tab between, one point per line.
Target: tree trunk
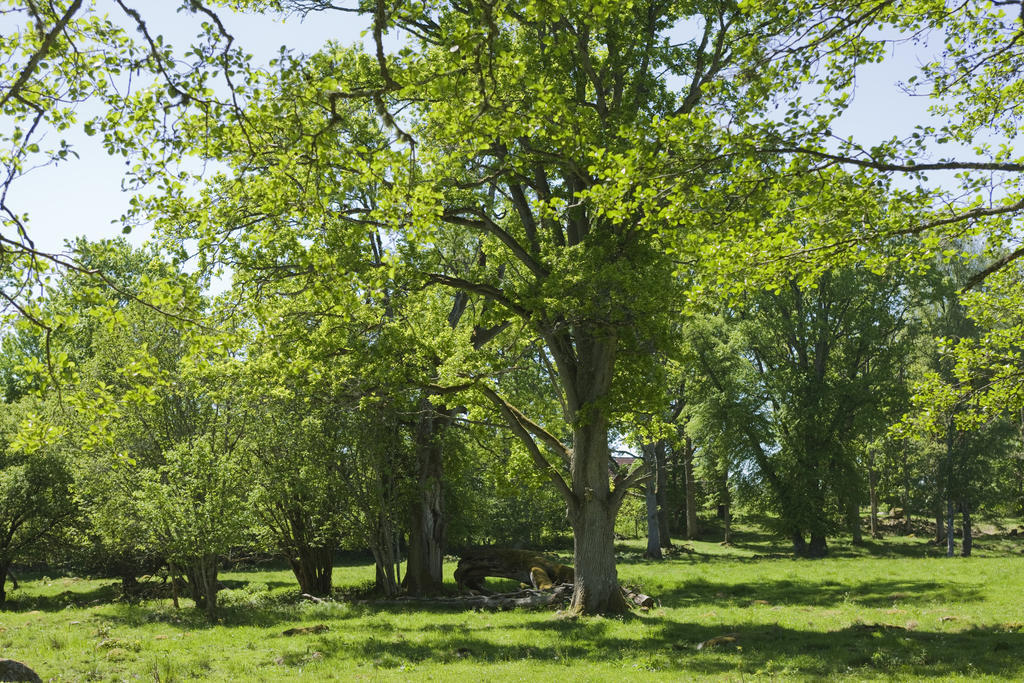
938	522
873	495
968	530
727	520
173	571
423	570
313	569
853	521
950	545
664	533
650	453
725	504
385	555
907	526
799	544
692	529
4	568
596	587
202	583
653	528
818	546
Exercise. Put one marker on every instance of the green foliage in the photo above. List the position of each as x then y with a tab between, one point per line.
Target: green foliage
37	507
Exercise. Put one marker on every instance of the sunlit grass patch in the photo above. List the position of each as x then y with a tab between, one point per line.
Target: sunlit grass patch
889	609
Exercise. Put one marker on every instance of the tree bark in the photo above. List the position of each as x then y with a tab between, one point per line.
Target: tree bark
853	521
950	545
593	508
202	583
692	528
873	495
313	569
664	532
4	568
968	530
907	525
818	546
596	589
653	551
385	555
173	571
650	452
423	571
938	522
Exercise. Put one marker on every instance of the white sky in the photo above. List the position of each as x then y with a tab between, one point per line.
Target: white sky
83	197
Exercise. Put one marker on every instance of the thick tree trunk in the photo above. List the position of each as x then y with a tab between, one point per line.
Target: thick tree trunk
818	546
799	544
596	587
968	530
692	528
313	569
423	572
202	583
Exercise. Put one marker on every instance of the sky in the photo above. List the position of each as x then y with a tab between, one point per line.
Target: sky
84	197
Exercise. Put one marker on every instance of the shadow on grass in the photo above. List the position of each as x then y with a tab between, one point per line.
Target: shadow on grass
671	646
814	593
91	597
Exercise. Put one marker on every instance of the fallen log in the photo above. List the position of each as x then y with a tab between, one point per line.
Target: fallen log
637	598
527	598
524	566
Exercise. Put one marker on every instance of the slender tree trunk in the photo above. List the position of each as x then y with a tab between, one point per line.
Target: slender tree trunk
949	489
650	453
939	531
4	569
664	532
385	555
873	495
653	528
423	571
950	545
907	525
725	504
173	571
853	521
692	528
968	530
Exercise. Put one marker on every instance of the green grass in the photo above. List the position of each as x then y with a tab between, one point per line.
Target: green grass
892	609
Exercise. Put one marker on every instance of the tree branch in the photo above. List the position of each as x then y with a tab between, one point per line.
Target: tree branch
511	415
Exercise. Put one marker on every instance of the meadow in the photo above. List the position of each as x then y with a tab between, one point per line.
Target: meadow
891	609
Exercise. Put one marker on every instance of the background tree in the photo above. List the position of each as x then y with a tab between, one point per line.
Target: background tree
36	501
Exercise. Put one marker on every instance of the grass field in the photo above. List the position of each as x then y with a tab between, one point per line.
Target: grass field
892	610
